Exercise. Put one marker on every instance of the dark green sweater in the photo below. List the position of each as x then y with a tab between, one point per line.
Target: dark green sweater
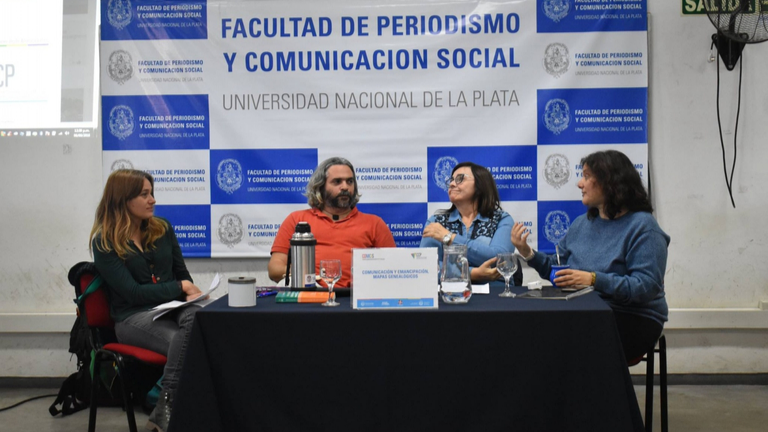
129	282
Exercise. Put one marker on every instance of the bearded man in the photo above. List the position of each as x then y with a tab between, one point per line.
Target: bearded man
336	224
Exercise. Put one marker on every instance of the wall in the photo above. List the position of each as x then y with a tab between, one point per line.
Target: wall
718	253
716	275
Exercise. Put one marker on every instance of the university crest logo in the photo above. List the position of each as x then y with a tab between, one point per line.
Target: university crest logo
121	123
229	175
443	168
120	67
556	59
556	9
119	13
557	116
556	226
121	164
557	170
230	231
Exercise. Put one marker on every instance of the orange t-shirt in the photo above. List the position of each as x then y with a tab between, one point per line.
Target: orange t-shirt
335	240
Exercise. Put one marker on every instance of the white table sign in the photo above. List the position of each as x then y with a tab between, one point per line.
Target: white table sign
394	278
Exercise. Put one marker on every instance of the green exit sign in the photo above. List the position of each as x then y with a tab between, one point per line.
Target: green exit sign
699	7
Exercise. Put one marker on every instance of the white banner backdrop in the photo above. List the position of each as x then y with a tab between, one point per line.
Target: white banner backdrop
231	105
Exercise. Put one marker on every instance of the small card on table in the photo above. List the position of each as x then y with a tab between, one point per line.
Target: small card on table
394	278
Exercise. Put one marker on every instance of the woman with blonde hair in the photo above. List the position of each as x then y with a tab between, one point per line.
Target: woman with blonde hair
140	260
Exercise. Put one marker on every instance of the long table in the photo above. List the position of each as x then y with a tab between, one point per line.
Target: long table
494	364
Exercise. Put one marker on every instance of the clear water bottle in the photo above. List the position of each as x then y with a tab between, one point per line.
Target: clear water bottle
303	256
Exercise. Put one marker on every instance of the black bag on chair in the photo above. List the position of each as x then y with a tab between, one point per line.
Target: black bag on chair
75	392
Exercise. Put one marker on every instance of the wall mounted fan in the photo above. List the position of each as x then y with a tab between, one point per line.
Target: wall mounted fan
738	22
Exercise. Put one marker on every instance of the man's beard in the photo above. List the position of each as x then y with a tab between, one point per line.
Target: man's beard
336	201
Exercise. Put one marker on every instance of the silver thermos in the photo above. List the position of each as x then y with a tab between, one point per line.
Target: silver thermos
303	257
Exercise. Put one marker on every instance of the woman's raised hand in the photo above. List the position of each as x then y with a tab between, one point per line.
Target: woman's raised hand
520	239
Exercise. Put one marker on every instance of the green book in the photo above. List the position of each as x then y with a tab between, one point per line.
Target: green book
302	297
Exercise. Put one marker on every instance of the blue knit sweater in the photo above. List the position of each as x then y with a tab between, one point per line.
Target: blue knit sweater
628	255
486	237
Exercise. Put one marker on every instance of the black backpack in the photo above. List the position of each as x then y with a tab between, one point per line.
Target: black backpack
75	392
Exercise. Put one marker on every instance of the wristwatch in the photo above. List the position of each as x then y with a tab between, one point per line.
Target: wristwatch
447	239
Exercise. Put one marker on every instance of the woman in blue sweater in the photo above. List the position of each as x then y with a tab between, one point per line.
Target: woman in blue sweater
617	247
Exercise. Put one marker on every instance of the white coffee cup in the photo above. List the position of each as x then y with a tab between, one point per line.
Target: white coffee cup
242	291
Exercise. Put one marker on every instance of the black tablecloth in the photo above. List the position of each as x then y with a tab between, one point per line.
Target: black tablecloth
491	365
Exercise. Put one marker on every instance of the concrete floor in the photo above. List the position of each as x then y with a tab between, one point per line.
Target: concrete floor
692	408
711	408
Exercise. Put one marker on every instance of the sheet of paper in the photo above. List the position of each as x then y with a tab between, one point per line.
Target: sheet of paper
481	289
202	300
173	304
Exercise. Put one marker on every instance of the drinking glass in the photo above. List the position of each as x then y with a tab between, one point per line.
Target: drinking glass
330	271
506	264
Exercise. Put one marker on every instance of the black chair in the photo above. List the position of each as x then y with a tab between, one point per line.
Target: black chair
661	349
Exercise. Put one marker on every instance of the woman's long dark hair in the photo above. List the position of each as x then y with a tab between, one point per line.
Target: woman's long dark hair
620	183
486	194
